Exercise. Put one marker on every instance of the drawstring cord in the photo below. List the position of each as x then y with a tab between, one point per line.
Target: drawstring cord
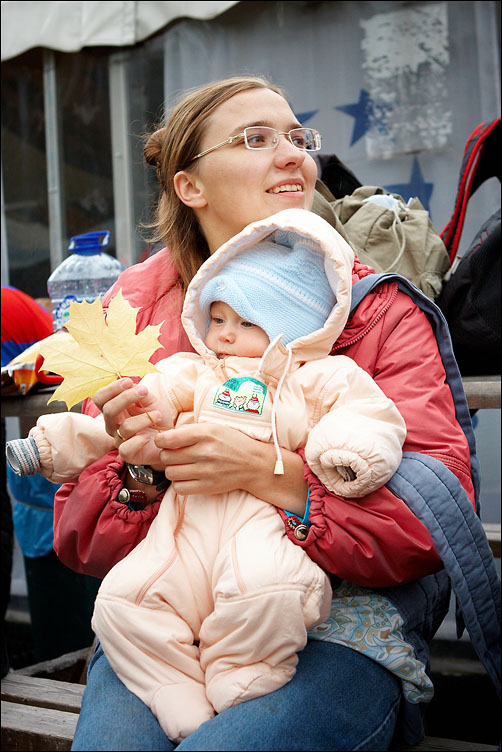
399	206
279	466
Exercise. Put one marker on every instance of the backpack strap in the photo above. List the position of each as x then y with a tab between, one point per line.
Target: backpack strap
442	334
475	169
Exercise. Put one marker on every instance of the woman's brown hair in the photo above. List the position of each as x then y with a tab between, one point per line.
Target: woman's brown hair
171	148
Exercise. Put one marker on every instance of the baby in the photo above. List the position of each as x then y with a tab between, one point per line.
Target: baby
211	608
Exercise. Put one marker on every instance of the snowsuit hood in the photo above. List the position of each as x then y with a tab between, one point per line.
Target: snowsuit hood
338	263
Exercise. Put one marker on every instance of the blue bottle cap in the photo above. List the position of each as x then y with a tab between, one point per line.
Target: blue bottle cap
90	243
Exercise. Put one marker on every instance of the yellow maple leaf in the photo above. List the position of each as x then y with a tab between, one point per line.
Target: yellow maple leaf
100	350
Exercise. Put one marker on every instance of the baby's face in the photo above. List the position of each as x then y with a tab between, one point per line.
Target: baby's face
229	334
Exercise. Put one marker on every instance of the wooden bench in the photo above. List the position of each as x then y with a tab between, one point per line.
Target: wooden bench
39	714
40	703
481	392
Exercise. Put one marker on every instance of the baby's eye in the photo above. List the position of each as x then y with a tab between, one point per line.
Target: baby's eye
247	324
216	320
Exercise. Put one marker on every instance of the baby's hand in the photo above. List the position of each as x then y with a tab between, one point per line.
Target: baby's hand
147	417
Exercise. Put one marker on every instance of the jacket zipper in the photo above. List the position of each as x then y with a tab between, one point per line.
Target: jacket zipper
237	571
370	327
164	567
160	571
201	402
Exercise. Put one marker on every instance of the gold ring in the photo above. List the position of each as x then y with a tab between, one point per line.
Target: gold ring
120	435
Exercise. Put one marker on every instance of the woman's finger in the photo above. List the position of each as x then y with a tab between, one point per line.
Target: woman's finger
205	458
140	450
118	408
185	436
138	423
108	392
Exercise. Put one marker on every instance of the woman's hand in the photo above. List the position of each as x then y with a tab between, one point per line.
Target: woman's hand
133	418
198	458
211	458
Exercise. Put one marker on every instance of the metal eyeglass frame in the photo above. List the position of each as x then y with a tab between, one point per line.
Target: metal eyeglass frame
316	140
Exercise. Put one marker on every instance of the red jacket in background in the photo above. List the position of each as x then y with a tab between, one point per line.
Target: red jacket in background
24	322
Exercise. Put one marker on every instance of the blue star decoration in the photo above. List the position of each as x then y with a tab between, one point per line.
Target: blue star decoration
362	111
416	187
304	117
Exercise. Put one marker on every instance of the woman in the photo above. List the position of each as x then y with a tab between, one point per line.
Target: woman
215	181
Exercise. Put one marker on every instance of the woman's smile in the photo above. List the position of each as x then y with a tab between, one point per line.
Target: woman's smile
290	187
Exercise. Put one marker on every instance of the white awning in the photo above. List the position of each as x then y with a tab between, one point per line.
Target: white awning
70	25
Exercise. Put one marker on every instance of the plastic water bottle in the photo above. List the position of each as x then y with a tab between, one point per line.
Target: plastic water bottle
84	276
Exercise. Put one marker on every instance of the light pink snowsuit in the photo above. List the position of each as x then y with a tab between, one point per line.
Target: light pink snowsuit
211	608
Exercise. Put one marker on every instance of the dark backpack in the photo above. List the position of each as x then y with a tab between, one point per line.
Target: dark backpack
336	176
470	297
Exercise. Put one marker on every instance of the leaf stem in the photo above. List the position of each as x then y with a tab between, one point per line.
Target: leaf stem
150	418
145	411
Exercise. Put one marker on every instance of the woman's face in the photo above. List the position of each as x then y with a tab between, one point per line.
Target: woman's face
236	185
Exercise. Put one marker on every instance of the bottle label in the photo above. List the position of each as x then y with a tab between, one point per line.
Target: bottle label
62	313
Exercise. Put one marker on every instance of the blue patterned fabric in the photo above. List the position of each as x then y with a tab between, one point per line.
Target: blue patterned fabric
367	622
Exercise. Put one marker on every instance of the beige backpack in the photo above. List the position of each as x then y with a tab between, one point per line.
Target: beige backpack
388	234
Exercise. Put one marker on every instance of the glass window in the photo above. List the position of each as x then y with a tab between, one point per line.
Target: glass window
146	105
24	173
87	182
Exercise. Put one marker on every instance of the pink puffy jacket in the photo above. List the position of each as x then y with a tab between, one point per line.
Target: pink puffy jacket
375	541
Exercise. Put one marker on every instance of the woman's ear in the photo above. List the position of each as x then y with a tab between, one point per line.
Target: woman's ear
188	190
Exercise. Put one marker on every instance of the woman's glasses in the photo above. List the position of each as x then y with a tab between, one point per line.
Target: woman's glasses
262	137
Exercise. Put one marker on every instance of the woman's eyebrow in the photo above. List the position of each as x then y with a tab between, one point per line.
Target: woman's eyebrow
240	128
266	123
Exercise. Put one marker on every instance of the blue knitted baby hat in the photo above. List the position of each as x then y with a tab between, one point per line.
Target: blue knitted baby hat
278	284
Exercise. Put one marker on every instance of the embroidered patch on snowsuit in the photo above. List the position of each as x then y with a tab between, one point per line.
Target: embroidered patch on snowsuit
244	394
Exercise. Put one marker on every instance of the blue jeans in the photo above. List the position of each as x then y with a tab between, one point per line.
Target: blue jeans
338	699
